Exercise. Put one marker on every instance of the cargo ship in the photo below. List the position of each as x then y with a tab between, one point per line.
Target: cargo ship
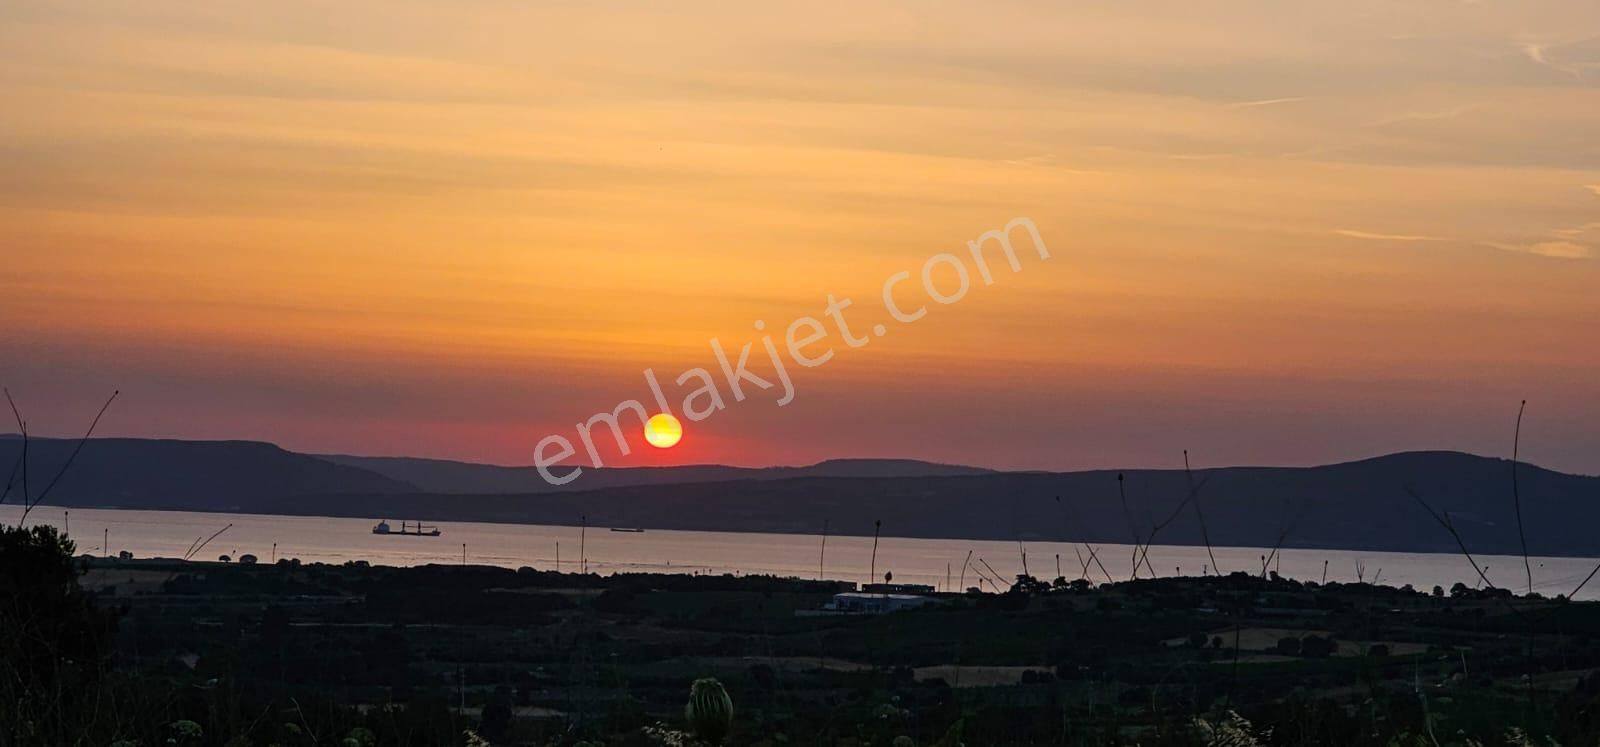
409	531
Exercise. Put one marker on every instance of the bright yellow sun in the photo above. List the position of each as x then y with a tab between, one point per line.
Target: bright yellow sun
663	431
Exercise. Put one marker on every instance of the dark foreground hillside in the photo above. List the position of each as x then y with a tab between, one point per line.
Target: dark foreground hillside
307	654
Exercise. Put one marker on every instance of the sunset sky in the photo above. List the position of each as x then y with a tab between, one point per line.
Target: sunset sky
1280	232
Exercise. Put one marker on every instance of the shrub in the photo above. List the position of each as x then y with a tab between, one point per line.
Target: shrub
710	710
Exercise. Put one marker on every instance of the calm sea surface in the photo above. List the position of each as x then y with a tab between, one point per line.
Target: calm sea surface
924	561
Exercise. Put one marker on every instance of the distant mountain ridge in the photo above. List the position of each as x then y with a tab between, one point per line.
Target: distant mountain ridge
446	476
1361	505
1365	504
202	475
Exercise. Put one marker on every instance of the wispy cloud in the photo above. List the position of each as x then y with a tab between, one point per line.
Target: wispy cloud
1580	241
1198	156
1558	249
1539	53
1576	231
1535	51
1561	249
1426	116
1268	102
1595	188
1042	159
1370	236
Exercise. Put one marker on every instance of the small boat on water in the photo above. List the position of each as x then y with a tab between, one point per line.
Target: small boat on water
409	531
630	531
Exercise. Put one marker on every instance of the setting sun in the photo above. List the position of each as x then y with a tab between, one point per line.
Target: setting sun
663	431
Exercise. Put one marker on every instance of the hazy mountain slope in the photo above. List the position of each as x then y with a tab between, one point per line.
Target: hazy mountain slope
444	476
199	475
1361	504
1358	505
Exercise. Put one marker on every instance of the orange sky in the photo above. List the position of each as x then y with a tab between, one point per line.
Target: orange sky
1281	232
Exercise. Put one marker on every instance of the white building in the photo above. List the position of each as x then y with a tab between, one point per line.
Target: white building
861	603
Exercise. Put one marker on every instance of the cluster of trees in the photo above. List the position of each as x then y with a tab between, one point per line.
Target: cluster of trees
1312	646
55	642
61	684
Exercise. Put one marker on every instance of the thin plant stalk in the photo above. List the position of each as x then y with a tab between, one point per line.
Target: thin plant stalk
991	575
872	575
22	428
822	555
1194	491
1516	495
74	455
1094	555
11	479
1205	535
1585	582
1122	496
196	551
1444	521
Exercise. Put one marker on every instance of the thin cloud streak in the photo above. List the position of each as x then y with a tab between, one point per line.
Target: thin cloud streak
1427	116
1268	102
1370	236
1553	249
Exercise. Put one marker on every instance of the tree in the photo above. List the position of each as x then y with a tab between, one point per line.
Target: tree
54	640
1317	647
495	723
1029	585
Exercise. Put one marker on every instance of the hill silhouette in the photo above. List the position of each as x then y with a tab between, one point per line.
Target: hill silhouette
1355	505
194	475
444	476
